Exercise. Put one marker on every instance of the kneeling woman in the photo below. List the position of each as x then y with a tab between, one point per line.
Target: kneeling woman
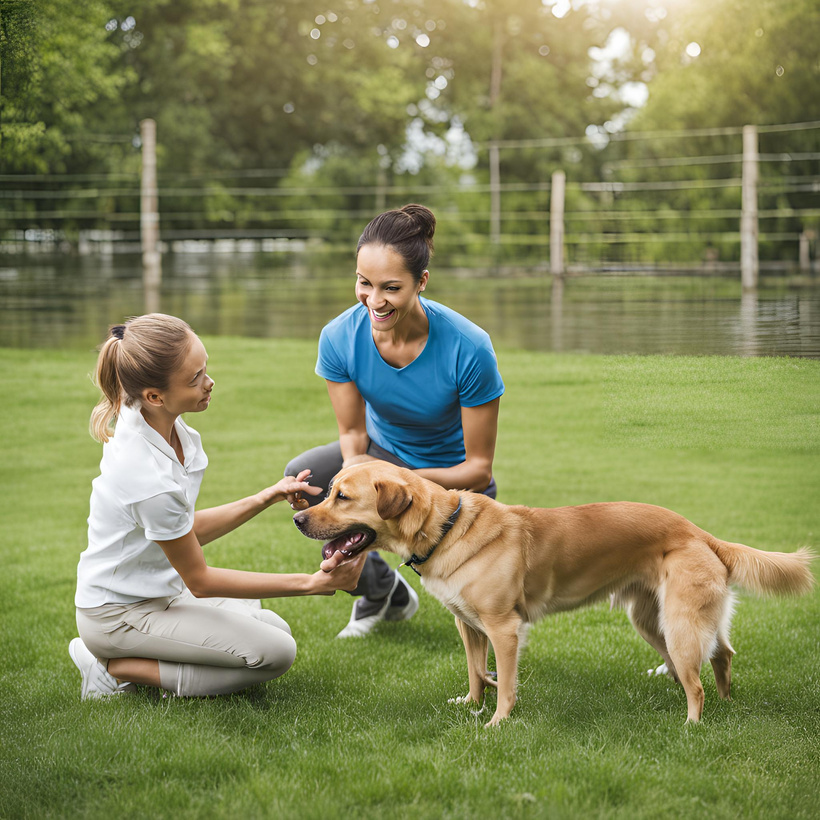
149	608
411	382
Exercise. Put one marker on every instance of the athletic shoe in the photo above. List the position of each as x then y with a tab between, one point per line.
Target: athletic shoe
366	614
403	602
97	682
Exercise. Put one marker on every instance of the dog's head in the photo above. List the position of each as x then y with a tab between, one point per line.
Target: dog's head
370	505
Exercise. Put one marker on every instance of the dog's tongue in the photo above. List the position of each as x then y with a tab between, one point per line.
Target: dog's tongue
343	544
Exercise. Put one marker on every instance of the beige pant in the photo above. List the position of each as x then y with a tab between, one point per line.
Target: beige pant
205	646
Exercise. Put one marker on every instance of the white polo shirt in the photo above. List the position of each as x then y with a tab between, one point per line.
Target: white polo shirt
142	495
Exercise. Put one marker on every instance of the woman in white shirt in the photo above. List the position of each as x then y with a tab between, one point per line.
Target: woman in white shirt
149	608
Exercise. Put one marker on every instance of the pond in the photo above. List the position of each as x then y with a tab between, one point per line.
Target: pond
69	301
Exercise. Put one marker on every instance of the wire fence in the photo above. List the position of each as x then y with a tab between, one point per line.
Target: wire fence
661	199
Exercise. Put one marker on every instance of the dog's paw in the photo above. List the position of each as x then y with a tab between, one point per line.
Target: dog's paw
663	669
467	700
464	700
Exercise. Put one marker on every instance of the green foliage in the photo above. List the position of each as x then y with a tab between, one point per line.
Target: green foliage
301	90
60	83
248	83
757	65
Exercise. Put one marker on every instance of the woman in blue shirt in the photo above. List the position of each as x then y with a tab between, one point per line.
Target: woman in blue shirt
411	382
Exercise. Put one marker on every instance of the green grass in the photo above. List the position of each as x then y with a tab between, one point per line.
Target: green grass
363	728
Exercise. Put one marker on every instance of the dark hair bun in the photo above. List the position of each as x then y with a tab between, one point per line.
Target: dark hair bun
423	218
408	231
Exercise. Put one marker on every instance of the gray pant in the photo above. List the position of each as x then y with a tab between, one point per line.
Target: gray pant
377	578
205	646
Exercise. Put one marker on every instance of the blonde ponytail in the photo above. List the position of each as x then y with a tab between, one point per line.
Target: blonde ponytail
104	415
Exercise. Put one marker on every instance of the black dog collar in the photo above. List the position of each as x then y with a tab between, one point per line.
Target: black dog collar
448	525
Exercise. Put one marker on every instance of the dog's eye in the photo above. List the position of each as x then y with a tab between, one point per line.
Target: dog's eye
343	497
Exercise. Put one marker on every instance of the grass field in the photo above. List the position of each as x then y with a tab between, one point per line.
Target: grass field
363	728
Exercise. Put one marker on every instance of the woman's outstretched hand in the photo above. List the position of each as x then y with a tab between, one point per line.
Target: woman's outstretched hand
291	489
338	572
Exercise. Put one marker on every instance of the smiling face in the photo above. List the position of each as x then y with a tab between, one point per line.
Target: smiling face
386	288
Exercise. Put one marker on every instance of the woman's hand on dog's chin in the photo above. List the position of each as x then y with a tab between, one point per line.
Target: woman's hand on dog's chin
338	572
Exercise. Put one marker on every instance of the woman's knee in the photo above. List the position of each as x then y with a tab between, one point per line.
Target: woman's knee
326	458
277	654
323	462
296	465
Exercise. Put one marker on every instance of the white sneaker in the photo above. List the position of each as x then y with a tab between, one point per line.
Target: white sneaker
403	613
360	625
97	682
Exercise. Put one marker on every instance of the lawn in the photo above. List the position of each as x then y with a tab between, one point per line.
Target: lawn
363	728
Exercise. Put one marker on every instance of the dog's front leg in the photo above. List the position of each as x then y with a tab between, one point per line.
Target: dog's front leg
504	635
476	646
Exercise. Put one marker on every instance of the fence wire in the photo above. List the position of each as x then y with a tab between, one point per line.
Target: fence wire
643	198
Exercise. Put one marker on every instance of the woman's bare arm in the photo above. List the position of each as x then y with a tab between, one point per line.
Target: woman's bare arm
186	557
480	425
349	407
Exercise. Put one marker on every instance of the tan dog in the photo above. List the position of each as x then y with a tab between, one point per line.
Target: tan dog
499	568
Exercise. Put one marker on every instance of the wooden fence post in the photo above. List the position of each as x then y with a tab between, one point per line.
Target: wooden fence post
749	263
804	251
495	194
557	223
149	216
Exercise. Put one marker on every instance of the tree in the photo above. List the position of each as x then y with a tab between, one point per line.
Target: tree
60	84
728	64
735	63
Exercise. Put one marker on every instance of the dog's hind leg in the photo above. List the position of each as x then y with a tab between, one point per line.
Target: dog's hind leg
722	654
476	646
692	608
643	611
504	635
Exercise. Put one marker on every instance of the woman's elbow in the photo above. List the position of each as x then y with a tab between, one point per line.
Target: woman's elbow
482	477
199	586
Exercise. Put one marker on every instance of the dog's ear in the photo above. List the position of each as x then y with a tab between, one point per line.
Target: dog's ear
393	498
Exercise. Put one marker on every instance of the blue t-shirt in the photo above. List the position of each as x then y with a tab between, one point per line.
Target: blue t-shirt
414	412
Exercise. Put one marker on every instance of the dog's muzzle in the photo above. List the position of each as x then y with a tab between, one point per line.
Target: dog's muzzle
350	542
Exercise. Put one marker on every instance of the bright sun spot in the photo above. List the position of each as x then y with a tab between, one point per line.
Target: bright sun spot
693	50
561	8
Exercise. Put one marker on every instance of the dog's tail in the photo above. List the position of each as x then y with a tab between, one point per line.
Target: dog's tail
766	573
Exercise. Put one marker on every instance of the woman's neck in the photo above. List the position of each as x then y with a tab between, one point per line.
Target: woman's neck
403	344
161	421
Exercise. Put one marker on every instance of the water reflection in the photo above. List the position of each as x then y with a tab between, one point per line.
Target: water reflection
152	282
69	302
749	305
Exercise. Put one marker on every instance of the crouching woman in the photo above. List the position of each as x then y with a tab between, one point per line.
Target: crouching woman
150	610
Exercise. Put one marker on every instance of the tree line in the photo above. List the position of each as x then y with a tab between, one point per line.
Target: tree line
345	94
